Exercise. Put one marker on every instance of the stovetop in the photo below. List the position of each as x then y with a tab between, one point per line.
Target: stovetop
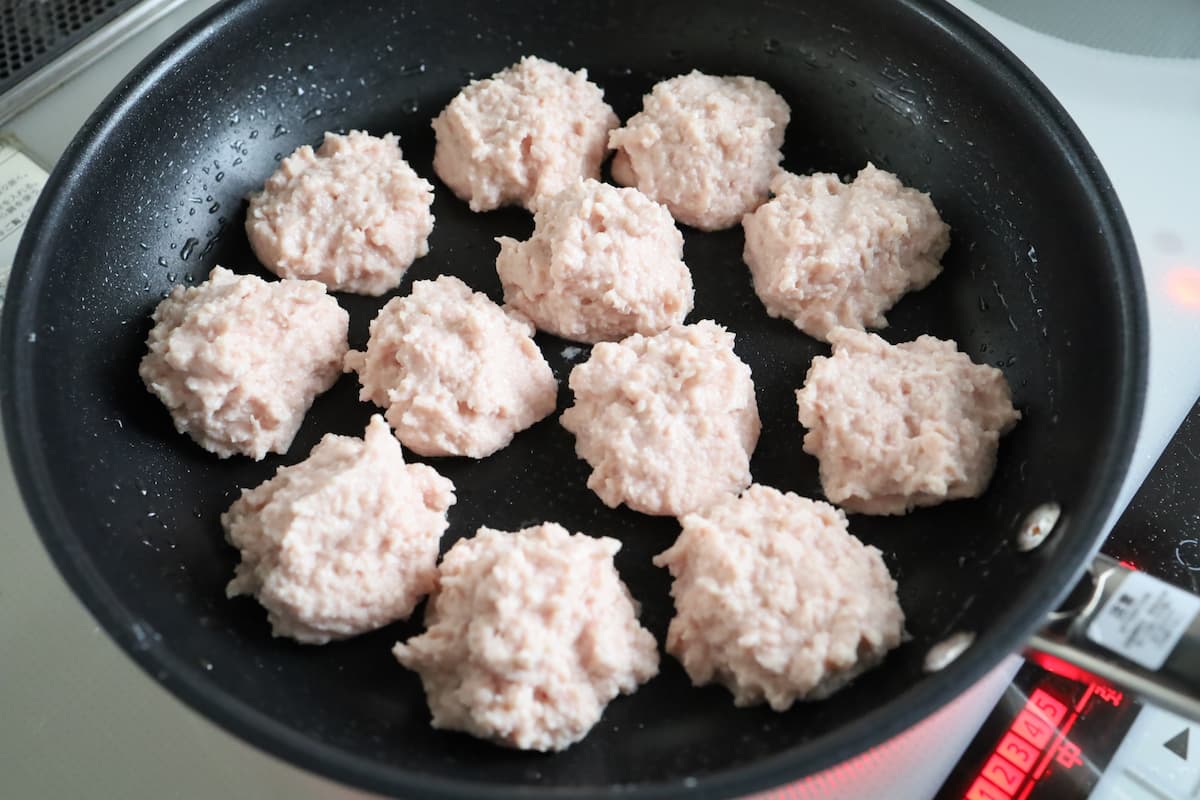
1099	741
1160	531
89	723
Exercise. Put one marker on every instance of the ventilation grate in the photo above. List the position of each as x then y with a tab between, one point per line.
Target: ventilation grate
34	33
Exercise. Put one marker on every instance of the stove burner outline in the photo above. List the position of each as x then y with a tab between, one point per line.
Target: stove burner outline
1192	562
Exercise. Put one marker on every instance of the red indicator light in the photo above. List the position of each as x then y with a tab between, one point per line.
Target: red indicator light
1128	564
983	789
1061	668
1183	287
1083	701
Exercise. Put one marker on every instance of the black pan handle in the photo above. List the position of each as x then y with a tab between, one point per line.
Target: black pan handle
1129	629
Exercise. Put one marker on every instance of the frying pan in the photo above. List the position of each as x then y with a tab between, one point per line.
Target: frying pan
1041	279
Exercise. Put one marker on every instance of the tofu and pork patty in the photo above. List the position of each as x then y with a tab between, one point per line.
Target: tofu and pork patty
352	215
825	254
457	375
776	600
238	361
704	146
603	263
528	636
900	426
532	129
342	543
667	422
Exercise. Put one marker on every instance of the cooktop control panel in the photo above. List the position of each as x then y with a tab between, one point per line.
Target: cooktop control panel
1054	736
1049	737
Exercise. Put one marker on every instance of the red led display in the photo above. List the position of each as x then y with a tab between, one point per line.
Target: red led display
1068	754
1052	710
1033	727
982	789
1001	772
1036	736
1018	751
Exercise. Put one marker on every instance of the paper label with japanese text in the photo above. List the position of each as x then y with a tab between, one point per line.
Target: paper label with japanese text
1144	620
21	182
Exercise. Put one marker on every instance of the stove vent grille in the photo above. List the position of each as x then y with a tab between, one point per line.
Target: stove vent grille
34	33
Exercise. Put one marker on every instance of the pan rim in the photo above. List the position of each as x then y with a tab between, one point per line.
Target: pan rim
186	681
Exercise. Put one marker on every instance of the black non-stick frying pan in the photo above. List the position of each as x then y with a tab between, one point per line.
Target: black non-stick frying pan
1041	280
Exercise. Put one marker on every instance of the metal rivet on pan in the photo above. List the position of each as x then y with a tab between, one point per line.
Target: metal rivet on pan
942	654
1037	526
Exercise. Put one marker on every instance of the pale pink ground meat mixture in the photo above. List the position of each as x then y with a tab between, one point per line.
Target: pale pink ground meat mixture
529	130
457	375
238	361
703	145
825	253
352	215
667	422
529	636
776	600
342	543
900	426
603	263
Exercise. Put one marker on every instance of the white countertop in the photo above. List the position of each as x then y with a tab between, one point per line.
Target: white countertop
78	719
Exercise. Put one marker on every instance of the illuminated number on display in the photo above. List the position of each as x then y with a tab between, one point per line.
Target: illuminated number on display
1003	774
1021	749
1047	706
982	789
1033	729
1018	751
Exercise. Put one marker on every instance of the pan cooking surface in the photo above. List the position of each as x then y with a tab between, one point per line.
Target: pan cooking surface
1040	279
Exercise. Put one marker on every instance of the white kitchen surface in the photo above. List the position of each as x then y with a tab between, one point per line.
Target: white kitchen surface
78	719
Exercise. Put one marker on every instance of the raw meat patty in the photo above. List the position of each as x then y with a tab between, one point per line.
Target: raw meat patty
667	422
353	215
237	361
705	146
900	426
457	375
532	129
776	600
603	263
529	635
342	543
825	253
